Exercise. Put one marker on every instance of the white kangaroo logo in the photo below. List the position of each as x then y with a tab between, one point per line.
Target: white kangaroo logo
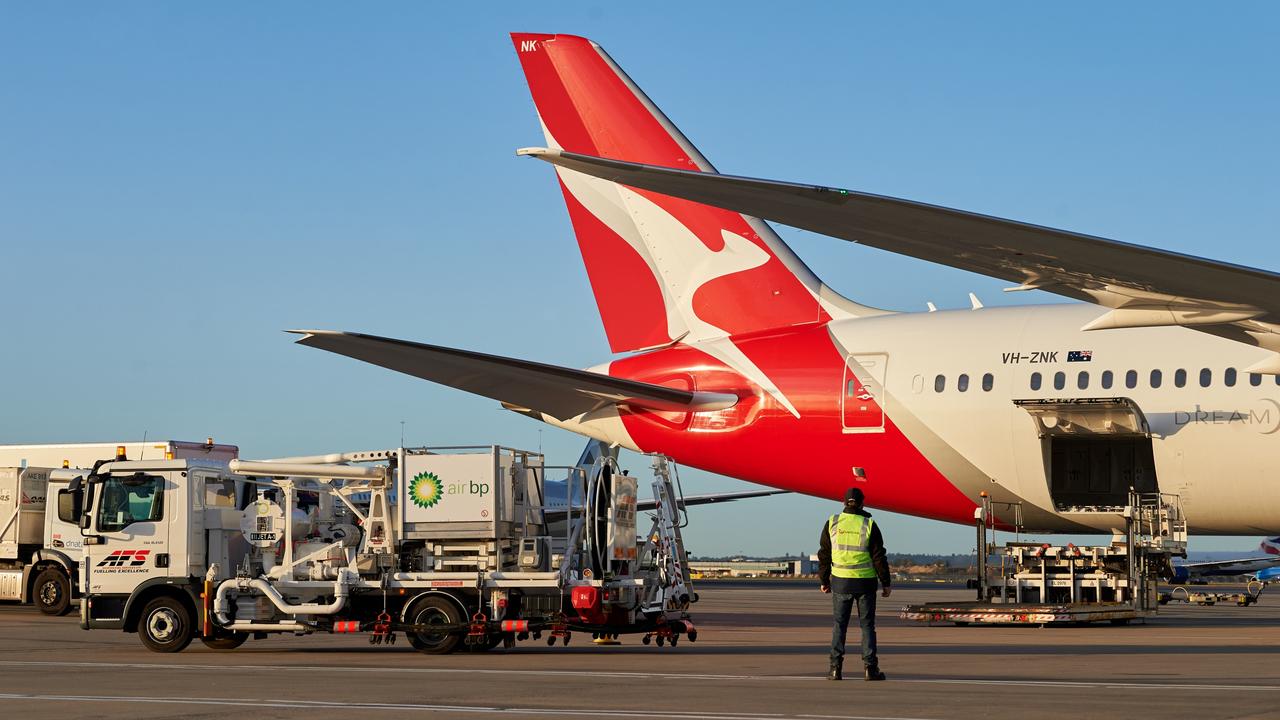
681	263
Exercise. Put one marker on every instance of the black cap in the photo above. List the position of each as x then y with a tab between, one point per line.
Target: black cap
853	496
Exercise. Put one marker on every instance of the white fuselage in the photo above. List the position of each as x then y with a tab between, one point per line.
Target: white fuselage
1213	444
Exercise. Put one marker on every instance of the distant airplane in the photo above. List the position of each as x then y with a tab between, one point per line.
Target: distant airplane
1269	575
740	361
1264	567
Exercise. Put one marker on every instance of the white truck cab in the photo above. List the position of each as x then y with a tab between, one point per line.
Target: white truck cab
143	526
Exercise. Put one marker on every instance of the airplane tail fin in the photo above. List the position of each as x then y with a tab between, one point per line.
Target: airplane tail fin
661	268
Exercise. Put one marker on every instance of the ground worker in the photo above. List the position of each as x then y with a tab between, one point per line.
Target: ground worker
851	558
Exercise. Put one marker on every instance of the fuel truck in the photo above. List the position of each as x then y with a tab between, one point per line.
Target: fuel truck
451	548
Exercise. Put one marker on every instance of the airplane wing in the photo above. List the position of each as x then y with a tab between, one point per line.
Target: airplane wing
713	498
1141	286
560	392
1223	568
1264	566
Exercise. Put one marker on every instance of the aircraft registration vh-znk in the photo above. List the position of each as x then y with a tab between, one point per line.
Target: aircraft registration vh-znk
740	361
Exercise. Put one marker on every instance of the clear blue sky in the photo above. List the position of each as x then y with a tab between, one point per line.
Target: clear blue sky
180	182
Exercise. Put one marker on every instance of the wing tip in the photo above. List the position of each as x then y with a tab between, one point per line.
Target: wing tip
308	334
541	153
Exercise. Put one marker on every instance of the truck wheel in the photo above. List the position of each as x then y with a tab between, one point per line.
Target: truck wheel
53	592
434	611
225	640
165	625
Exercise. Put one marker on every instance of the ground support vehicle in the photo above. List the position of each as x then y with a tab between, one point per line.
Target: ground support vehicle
39	535
455	548
1043	584
39	539
1251	596
85	455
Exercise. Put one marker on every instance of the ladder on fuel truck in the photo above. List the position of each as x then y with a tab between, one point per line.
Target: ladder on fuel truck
673	592
658	569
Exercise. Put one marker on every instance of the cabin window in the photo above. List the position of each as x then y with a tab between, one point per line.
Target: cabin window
940	383
1035	381
1131	379
1107	379
988	382
1229	377
1255	379
1206	377
1180	378
1082	380
1059	380
1156	378
962	382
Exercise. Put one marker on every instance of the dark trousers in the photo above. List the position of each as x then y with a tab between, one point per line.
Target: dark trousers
863	595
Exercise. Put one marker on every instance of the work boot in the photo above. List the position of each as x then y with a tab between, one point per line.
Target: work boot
873	673
835	673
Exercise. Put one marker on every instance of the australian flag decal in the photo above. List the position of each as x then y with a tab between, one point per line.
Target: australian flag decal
1079	355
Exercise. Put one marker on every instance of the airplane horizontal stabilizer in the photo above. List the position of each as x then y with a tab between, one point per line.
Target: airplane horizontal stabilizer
714	498
561	511
560	392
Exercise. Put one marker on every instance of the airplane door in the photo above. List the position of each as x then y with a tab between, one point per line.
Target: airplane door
862	395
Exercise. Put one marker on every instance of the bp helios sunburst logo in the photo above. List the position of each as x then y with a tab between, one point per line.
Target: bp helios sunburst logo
425	490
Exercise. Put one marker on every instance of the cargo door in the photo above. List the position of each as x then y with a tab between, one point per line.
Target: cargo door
1096	449
862	395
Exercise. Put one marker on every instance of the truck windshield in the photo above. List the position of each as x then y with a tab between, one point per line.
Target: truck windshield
130	499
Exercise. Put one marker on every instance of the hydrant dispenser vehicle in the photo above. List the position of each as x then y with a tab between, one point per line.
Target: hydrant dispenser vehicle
451	547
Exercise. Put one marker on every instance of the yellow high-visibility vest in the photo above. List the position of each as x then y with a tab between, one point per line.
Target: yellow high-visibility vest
850	535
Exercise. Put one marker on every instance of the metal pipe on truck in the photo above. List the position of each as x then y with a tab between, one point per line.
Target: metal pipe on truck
221	605
308	470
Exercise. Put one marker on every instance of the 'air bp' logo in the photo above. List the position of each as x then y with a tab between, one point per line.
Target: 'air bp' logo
425	489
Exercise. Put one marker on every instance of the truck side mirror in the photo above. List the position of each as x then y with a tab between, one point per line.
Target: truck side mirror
86	492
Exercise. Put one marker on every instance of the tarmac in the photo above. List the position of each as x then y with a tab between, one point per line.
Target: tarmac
761	654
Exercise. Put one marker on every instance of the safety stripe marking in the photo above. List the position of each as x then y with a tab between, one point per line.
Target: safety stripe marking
401	707
622	674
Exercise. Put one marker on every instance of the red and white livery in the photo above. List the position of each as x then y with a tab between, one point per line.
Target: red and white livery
740	361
